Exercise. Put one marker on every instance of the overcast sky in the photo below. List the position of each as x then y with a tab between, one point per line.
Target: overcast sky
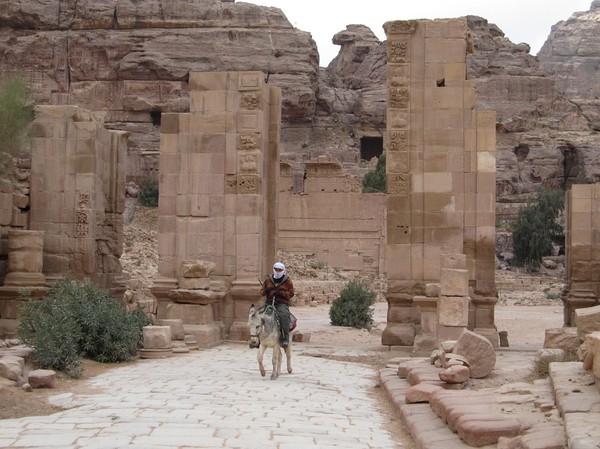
526	21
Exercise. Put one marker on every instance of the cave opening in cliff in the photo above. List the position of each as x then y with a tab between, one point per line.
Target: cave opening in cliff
371	147
155	116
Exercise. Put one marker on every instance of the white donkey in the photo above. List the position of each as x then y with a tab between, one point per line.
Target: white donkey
265	333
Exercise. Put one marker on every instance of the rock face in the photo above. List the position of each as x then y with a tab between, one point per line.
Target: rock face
571	54
130	60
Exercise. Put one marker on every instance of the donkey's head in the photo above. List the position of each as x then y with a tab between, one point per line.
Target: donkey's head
254	323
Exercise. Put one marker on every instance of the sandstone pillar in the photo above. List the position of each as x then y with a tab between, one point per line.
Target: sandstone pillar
25	258
453	304
77	194
440	168
219	167
582	249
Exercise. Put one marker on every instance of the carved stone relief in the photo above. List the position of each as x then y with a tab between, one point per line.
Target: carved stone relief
82	226
248	141
250	101
398	183
248	163
398	140
248	184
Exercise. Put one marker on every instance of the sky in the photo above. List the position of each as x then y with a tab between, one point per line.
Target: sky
526	21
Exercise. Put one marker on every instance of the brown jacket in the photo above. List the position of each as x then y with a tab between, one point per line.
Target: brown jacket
282	292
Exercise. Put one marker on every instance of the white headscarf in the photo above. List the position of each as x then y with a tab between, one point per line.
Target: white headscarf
279	274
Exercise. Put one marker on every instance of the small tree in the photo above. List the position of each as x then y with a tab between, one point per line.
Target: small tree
16	115
353	307
76	320
537	227
375	181
149	192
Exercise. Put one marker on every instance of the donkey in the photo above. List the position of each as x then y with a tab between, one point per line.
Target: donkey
265	333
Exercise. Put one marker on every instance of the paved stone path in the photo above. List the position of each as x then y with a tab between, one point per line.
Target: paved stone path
215	398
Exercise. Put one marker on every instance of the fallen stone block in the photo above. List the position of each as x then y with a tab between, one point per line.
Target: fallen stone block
427	373
477	430
478	351
420	392
455	374
42	378
587	320
405	367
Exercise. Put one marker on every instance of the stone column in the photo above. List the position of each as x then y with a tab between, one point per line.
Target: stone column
77	186
425	339
25	258
453	305
219	168
440	168
582	249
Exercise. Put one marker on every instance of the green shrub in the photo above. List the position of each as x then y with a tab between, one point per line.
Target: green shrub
537	227
77	320
149	192
353	307
16	115
375	181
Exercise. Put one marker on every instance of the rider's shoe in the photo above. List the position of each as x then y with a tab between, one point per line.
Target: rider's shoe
284	344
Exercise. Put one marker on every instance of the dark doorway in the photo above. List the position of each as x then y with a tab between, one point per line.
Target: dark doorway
155	115
371	147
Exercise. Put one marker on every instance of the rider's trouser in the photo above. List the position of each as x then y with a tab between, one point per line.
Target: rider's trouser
284	317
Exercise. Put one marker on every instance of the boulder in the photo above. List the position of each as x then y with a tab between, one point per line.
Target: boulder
455	374
478	351
42	378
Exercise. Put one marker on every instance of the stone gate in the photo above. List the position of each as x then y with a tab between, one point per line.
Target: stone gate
441	180
218	203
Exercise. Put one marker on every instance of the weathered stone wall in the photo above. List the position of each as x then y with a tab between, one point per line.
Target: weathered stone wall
330	220
440	173
582	249
129	61
77	194
218	202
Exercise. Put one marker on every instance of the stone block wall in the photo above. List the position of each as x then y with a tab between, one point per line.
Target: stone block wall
582	249
332	221
440	172
219	168
77	194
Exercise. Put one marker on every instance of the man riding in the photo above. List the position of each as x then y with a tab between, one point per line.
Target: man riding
279	287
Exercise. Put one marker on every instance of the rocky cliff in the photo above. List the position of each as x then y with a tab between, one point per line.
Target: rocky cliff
547	106
129	61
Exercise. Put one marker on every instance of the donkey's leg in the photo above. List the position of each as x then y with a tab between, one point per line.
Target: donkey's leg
288	356
259	357
276	362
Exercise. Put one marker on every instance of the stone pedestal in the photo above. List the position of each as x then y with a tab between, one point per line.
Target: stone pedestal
25	258
157	342
244	293
403	315
577	299
425	339
484	318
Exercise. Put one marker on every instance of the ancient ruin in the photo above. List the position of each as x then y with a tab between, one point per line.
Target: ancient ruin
582	276
218	203
70	223
441	179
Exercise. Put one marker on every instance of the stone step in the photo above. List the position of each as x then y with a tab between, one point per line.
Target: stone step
519	415
426	428
578	401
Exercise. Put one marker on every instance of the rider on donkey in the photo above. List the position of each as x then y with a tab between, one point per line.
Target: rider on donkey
279	287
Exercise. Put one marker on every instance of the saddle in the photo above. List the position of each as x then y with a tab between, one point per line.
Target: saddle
270	309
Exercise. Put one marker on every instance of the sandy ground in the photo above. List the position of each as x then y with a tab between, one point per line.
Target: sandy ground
525	325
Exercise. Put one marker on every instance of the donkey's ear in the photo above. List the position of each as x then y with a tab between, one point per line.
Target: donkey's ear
252	309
